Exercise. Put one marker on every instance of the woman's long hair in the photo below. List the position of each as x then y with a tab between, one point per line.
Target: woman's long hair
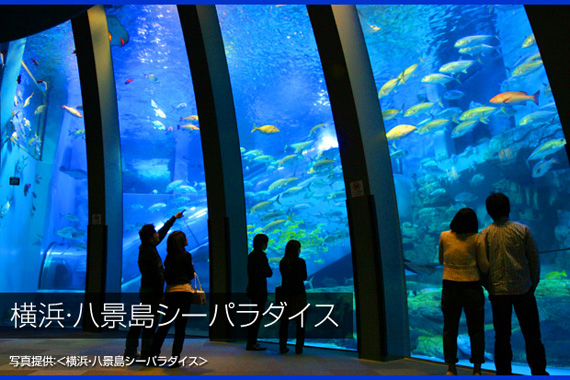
175	246
291	250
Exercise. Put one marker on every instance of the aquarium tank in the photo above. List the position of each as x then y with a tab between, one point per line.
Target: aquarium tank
293	180
468	110
162	163
43	165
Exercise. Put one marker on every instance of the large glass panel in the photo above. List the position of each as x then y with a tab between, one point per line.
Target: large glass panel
469	82
294	186
43	215
162	164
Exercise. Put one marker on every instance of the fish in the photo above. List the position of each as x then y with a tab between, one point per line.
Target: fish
478	113
480	49
267	129
35	61
28	99
281	182
286	159
537	117
188	127
173	185
153	104
72	111
186	189
408	71
453	94
546	149
437	192
314	129
465	197
400	153
400	131
189	118
477	179
532	58
554	275
433	125
529	41
389	114
300	146
438	79
19	79
129	80
40	109
26	188
321	165
77	133
456	67
527	68
418	109
463	128
273	225
152	78
71	217
387	87
158	125
160	113
514	97
2	59
470	41
70	233
74	173
260	206
156	207
271	215
542	167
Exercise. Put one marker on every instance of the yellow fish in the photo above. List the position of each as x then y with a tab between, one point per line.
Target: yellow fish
72	111
267	129
189	127
400	131
388	87
527	68
315	128
40	109
189	118
555	275
27	102
529	41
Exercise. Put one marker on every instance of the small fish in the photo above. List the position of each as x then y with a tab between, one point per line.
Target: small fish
456	67
463	128
546	149
400	131
542	167
480	49
72	111
28	99
529	41
527	68
388	87
408	71
389	114
38	178
433	125
418	109
19	79
514	97
477	179
478	113
179	106
188	127
2	58
153	104
35	61
156	207
40	109
267	129
470	41
129	80
26	188
554	275
453	94
537	117
158	112
314	129
438	79
189	118
158	125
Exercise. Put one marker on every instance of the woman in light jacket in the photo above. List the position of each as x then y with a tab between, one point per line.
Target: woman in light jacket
462	253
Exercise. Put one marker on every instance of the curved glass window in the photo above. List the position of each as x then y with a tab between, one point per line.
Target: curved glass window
294	186
43	197
162	164
468	111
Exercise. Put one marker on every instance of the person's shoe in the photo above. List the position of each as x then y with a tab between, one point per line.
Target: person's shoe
298	351
283	350
477	369
451	370
255	347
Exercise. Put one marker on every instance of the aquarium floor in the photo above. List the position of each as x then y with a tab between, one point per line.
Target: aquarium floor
223	359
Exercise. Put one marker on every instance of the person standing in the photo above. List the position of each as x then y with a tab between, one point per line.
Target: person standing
462	253
258	270
514	274
152	286
179	271
293	274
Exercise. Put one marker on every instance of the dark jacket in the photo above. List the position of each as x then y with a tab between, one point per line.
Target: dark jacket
150	263
179	269
293	273
258	270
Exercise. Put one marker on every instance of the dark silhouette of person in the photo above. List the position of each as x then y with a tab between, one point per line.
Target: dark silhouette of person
462	253
178	272
258	270
293	272
152	286
514	272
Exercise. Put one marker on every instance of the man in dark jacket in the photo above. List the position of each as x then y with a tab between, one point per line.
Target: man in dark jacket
152	286
258	270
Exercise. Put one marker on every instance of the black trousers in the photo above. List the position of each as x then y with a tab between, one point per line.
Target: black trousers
147	298
178	304
295	303
253	329
527	314
467	296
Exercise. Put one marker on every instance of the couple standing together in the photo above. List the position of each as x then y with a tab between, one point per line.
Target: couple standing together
504	259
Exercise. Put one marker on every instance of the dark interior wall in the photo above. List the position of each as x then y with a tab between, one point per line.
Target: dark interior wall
19	21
